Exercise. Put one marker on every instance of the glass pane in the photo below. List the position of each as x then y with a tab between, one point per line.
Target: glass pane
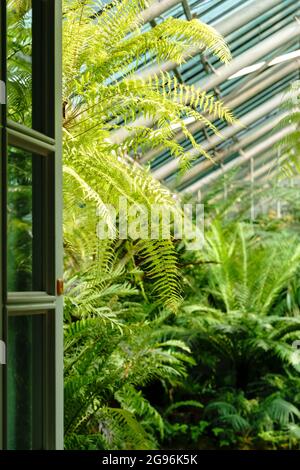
25	382
19	223
19	61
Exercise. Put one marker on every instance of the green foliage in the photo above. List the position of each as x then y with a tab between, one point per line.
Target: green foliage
104	98
19	212
111	350
225	365
115	180
238	321
19	51
225	368
102	95
249	272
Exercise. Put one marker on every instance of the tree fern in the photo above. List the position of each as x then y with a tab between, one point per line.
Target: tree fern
103	96
134	402
111	350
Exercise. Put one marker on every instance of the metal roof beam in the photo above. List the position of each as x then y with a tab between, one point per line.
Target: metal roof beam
266	79
153	11
261	160
264	168
232	100
264	178
225	26
157	9
241	144
250	56
187	10
247	58
261	147
228	131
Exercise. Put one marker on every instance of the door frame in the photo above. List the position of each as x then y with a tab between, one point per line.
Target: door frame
46	301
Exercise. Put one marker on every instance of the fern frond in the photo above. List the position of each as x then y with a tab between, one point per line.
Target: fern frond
160	259
135	403
280	410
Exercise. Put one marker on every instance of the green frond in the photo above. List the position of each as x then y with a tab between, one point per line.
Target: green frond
125	430
195	34
221	408
281	410
134	402
183	404
236	422
160	259
92	195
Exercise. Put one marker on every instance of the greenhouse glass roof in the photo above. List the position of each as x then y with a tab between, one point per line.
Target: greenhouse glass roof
264	39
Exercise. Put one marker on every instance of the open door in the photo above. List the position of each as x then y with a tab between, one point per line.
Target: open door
2	219
31	223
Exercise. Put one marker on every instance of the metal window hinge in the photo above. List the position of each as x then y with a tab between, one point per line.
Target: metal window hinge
59	287
2	352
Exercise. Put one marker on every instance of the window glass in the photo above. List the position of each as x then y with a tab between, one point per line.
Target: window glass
26	194
19	61
19	220
25	382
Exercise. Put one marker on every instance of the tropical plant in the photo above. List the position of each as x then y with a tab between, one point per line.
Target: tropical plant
101	91
241	323
105	97
113	347
111	351
240	319
240	316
